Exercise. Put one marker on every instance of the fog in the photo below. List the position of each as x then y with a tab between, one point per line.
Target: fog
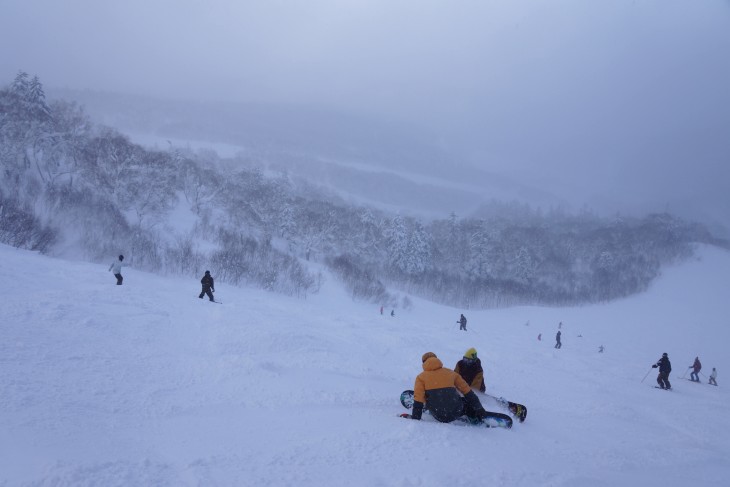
621	105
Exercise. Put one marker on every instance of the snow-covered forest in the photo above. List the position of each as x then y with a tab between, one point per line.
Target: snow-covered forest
72	187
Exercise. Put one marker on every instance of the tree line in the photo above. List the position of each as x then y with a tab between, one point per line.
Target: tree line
68	182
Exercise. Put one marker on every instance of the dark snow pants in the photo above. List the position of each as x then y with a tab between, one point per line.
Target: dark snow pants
206	290
119	279
663	380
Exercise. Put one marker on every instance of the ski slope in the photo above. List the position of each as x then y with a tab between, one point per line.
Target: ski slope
144	384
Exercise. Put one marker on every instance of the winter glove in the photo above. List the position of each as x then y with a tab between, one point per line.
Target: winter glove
653	366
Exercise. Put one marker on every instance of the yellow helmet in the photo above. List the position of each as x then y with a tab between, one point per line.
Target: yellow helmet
471	353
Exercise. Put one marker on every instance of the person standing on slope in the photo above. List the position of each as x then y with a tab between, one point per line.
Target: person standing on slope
557	340
713	376
208	286
439	389
116	268
696	367
462	322
665	367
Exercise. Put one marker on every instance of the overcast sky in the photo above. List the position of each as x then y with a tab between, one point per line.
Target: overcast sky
597	97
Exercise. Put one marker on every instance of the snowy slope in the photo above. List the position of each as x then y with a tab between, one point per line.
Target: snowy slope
144	384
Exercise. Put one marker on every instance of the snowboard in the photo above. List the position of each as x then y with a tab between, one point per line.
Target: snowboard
518	410
492	420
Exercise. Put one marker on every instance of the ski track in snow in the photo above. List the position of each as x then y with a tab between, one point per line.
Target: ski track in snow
144	384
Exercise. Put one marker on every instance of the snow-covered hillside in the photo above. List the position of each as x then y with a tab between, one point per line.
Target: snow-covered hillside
144	384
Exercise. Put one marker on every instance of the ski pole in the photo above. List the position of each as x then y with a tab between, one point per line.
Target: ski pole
647	375
685	372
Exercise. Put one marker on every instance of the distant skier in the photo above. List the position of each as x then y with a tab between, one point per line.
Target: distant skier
470	369
713	376
560	325
381	310
557	340
665	367
208	286
696	367
462	322
392	312
438	388
116	268
600	349
539	337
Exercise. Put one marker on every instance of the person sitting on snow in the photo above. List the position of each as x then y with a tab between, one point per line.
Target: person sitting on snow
439	388
470	369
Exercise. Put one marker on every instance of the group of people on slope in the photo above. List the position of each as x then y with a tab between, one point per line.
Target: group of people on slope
447	392
665	367
207	282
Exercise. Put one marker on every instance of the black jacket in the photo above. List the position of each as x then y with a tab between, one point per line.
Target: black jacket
664	365
207	282
471	371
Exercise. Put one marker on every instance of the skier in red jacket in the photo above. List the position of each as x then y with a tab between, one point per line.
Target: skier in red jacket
696	367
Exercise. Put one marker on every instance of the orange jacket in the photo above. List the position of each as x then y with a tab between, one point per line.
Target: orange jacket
438	388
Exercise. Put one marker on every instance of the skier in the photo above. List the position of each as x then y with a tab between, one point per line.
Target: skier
696	367
557	340
470	369
116	268
600	349
392	312
539	337
462	322
439	388
713	376
208	286
665	367
560	325
381	310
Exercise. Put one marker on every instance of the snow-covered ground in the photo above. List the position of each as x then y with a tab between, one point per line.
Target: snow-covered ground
144	384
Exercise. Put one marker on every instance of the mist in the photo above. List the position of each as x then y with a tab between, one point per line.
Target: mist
623	106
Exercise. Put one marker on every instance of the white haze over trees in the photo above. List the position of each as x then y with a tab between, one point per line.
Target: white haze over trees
71	187
620	105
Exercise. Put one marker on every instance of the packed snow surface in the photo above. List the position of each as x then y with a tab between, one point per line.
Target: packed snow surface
145	384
